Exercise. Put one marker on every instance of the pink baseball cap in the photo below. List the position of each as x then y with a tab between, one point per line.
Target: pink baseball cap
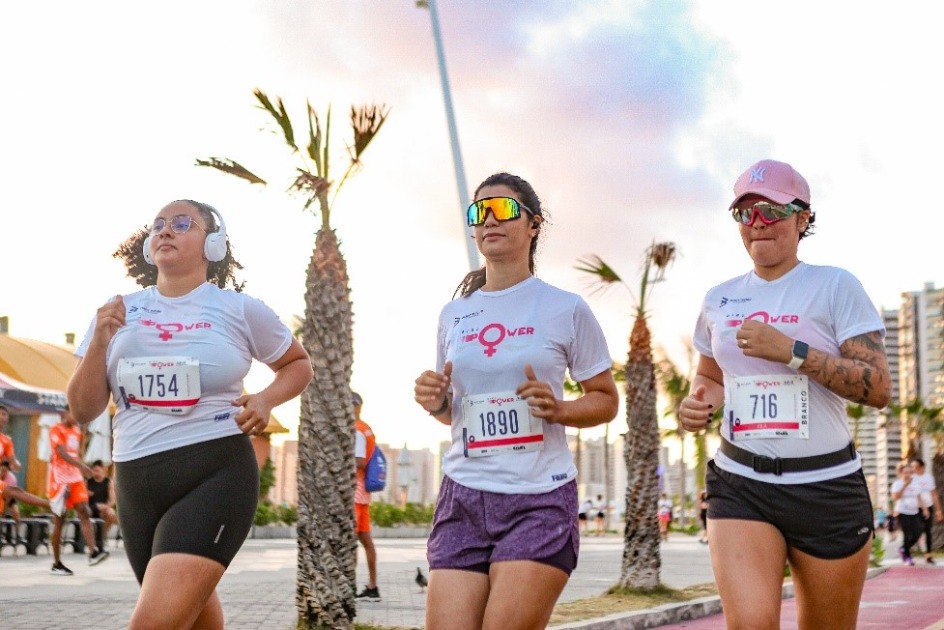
777	181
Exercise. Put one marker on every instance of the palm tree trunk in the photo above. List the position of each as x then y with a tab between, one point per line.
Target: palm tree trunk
607	475
641	556
327	545
701	459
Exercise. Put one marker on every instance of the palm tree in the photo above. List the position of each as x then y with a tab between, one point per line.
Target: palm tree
641	556
917	420
856	412
675	387
327	546
934	429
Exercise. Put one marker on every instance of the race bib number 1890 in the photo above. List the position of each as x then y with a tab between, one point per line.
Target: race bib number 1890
769	406
499	423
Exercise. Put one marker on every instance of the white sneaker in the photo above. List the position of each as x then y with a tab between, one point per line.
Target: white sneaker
98	557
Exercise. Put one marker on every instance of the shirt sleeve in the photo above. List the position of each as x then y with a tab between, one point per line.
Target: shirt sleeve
701	338
853	312
589	355
360	445
269	338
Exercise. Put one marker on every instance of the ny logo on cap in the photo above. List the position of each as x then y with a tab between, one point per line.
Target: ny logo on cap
757	174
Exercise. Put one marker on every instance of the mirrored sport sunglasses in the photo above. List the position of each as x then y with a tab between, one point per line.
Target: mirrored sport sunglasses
179	224
766	211
502	208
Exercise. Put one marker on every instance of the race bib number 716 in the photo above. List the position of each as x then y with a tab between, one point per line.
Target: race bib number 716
770	406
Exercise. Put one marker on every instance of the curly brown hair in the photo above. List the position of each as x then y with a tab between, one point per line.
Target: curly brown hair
222	273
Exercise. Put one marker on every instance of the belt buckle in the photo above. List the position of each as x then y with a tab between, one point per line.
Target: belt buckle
767	465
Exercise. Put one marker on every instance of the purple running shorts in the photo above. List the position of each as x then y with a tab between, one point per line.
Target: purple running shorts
473	528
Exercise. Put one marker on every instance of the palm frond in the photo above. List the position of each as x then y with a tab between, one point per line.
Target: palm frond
366	121
572	387
662	256
233	168
310	185
314	139
280	115
619	372
327	138
604	275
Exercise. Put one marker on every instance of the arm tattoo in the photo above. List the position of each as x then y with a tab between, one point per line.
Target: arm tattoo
860	374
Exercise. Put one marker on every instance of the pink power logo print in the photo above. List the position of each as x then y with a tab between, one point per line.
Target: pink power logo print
767	318
493	334
167	330
490	344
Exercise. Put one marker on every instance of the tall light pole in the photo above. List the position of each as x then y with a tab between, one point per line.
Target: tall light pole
453	133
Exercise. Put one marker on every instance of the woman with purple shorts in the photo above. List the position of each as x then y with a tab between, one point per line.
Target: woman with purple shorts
505	535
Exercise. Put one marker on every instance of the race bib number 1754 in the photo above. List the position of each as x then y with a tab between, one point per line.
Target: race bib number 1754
166	385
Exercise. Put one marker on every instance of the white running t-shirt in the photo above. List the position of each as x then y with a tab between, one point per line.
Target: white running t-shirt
910	500
822	306
489	336
223	330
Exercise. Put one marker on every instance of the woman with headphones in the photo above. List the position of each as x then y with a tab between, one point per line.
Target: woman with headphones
173	357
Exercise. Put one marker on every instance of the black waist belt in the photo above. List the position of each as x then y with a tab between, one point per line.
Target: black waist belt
778	465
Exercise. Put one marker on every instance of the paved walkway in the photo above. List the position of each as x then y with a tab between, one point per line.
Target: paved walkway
258	590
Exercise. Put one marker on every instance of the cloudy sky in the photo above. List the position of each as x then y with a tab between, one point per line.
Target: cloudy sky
631	119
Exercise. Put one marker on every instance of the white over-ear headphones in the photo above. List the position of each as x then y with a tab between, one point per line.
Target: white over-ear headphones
214	245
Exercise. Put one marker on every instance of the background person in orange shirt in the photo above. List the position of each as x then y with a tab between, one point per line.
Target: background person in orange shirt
66	481
364	444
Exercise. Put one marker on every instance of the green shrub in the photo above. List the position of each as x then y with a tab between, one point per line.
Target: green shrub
266	514
878	552
266	478
389	515
418	514
269	514
288	514
385	514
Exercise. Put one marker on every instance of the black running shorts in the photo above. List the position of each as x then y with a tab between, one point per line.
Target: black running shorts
198	499
827	519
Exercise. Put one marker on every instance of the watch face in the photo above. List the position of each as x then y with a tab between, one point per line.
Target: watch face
800	349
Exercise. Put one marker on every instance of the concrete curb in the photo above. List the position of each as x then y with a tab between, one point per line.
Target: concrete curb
670	613
651	617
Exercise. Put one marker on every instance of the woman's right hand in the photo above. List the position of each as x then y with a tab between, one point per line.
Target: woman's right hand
432	388
695	412
108	319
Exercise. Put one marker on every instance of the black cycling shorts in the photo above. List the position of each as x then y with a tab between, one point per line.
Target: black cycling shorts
827	519
198	499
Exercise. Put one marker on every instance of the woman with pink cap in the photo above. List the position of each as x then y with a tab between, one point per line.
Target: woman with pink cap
782	348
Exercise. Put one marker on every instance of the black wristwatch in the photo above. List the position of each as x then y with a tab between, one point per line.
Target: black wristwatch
800	352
